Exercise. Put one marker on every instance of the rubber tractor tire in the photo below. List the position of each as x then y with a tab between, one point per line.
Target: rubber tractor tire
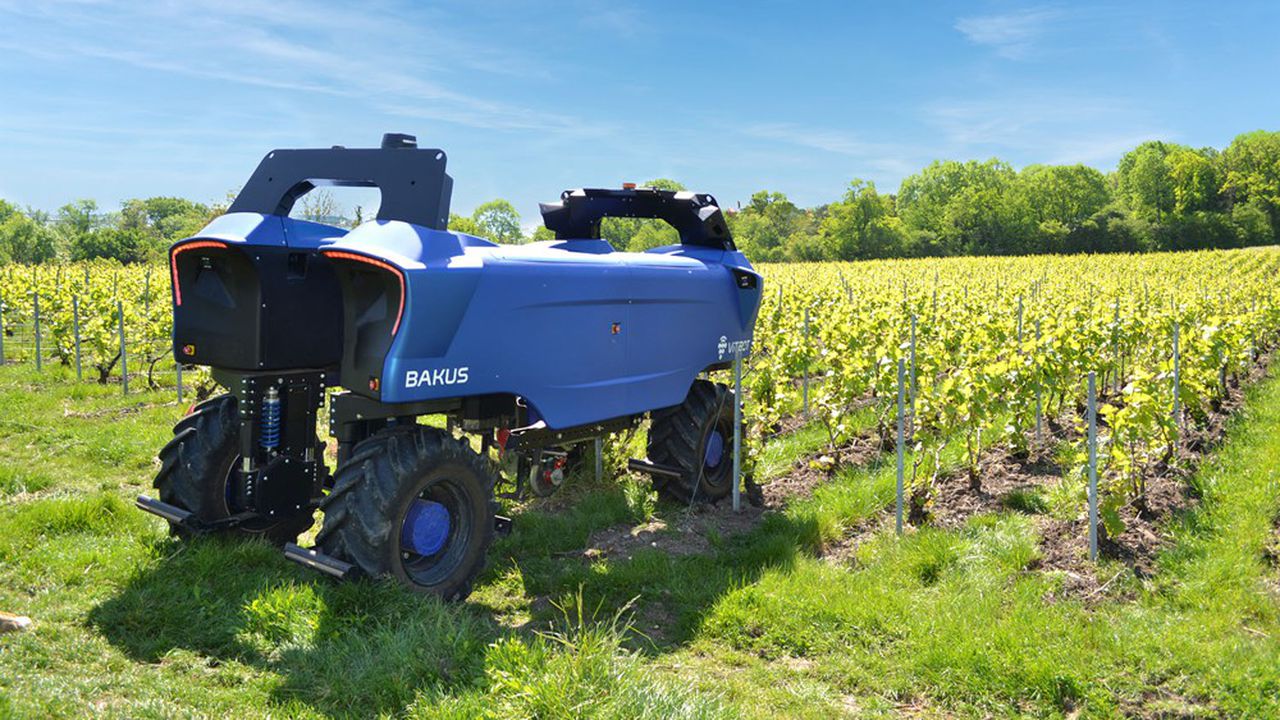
696	437
416	504
196	465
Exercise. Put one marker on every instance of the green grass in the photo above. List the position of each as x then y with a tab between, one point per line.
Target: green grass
130	623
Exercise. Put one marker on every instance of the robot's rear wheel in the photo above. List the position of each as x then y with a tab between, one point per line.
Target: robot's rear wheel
696	436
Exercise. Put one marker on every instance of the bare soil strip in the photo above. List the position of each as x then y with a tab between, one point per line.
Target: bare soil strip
1006	482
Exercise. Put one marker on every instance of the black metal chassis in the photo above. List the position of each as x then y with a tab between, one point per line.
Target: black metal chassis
289	478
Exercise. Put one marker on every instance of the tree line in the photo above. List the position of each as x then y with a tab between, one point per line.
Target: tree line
1161	196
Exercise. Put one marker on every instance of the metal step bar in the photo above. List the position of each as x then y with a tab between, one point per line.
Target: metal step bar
316	560
653	468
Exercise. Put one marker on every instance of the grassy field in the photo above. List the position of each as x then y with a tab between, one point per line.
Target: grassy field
761	621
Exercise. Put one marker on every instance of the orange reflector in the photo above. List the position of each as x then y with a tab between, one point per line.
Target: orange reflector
173	261
628	186
340	255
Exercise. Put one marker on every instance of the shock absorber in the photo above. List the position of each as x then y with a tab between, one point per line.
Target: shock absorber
270	435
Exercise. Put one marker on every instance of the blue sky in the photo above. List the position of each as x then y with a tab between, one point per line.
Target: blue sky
111	101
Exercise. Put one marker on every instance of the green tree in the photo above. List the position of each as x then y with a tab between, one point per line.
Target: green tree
498	221
463	224
23	239
1252	224
1145	181
1196	177
319	206
938	203
862	226
763	228
162	221
125	245
989	220
541	233
1065	194
76	219
1252	164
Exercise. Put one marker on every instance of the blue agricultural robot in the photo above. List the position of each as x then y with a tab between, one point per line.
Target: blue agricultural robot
525	349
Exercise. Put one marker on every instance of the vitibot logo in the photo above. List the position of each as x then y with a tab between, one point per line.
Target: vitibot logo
732	348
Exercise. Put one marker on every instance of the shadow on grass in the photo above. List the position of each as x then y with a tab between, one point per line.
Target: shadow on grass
360	647
670	593
371	647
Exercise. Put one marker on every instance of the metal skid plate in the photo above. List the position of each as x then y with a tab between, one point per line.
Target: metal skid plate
283	486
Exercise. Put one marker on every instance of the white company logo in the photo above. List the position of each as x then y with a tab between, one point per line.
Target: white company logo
436	377
732	348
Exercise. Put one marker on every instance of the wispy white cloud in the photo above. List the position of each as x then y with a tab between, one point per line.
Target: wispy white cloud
885	162
1012	35
825	140
369	56
1052	128
617	20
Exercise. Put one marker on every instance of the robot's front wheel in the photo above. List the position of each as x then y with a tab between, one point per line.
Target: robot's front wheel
412	503
196	468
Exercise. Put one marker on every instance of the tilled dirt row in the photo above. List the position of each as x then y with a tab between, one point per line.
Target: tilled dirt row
1008	483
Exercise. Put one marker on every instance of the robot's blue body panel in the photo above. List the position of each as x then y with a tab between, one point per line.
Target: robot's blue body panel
581	332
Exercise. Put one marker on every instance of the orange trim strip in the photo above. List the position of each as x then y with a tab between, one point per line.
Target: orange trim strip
338	254
173	261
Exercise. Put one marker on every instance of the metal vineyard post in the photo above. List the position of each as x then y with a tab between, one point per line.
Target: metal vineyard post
805	389
35	302
124	363
915	388
737	430
1039	395
1177	382
1093	466
75	326
1019	320
902	373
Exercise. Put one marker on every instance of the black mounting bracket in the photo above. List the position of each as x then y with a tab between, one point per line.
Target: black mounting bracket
413	182
694	215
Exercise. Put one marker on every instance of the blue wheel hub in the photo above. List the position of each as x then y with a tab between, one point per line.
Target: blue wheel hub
426	527
715	449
